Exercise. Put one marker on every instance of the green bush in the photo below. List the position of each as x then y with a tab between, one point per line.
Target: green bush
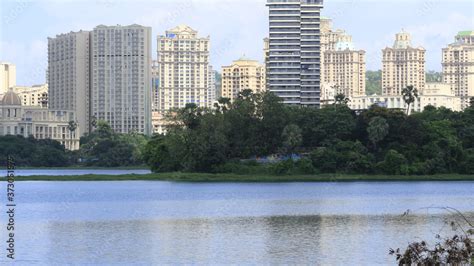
394	164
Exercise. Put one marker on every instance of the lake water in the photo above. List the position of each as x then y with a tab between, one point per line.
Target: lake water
178	223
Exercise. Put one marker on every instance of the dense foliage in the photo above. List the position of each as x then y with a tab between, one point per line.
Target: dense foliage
32	152
373	84
105	148
102	148
433	76
331	139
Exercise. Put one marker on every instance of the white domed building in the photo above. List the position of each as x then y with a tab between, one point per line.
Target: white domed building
41	123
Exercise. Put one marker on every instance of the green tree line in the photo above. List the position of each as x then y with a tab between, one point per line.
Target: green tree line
333	139
102	148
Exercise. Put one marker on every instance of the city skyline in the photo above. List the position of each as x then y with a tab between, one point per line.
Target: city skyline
433	25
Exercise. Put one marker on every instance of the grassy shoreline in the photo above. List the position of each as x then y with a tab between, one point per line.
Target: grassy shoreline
235	178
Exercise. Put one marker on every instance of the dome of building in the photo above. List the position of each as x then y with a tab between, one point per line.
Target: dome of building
11	99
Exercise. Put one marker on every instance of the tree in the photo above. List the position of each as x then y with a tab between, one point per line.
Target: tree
409	94
374	82
292	138
471	102
72	126
455	250
394	163
222	105
378	129
341	98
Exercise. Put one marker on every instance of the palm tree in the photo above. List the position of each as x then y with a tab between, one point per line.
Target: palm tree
72	126
410	94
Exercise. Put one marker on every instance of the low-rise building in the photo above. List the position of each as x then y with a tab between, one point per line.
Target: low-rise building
434	94
36	121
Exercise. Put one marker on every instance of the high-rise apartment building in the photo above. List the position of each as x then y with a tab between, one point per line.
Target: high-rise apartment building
342	67
458	66
212	91
7	77
403	65
183	62
69	75
294	51
243	74
121	77
183	71
155	84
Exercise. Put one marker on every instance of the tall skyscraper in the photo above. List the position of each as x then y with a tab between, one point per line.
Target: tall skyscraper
458	66
69	75
342	67
212	91
7	77
121	77
155	83
183	71
243	74
403	65
294	51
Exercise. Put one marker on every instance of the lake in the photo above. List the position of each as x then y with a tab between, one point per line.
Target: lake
179	223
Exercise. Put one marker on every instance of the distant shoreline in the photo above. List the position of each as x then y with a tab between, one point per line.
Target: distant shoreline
234	178
142	167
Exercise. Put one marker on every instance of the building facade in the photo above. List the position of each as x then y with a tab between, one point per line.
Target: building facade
36	95
121	77
341	65
69	75
294	59
183	72
434	94
403	65
212	91
243	74
41	123
7	76
458	66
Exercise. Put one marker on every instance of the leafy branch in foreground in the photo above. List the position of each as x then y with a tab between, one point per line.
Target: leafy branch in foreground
455	250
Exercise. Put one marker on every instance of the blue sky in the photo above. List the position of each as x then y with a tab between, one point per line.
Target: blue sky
236	27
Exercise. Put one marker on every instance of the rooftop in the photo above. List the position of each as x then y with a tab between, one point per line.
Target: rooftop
466	33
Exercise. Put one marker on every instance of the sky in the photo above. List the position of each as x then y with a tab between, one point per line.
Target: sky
236	27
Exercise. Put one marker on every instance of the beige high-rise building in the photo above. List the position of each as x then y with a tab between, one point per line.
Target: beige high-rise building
183	71
68	75
342	67
7	76
403	65
121	77
458	66
243	74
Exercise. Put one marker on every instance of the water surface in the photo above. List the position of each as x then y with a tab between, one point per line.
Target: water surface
176	223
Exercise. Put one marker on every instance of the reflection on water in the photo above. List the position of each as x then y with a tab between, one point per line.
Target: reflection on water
252	240
160	222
